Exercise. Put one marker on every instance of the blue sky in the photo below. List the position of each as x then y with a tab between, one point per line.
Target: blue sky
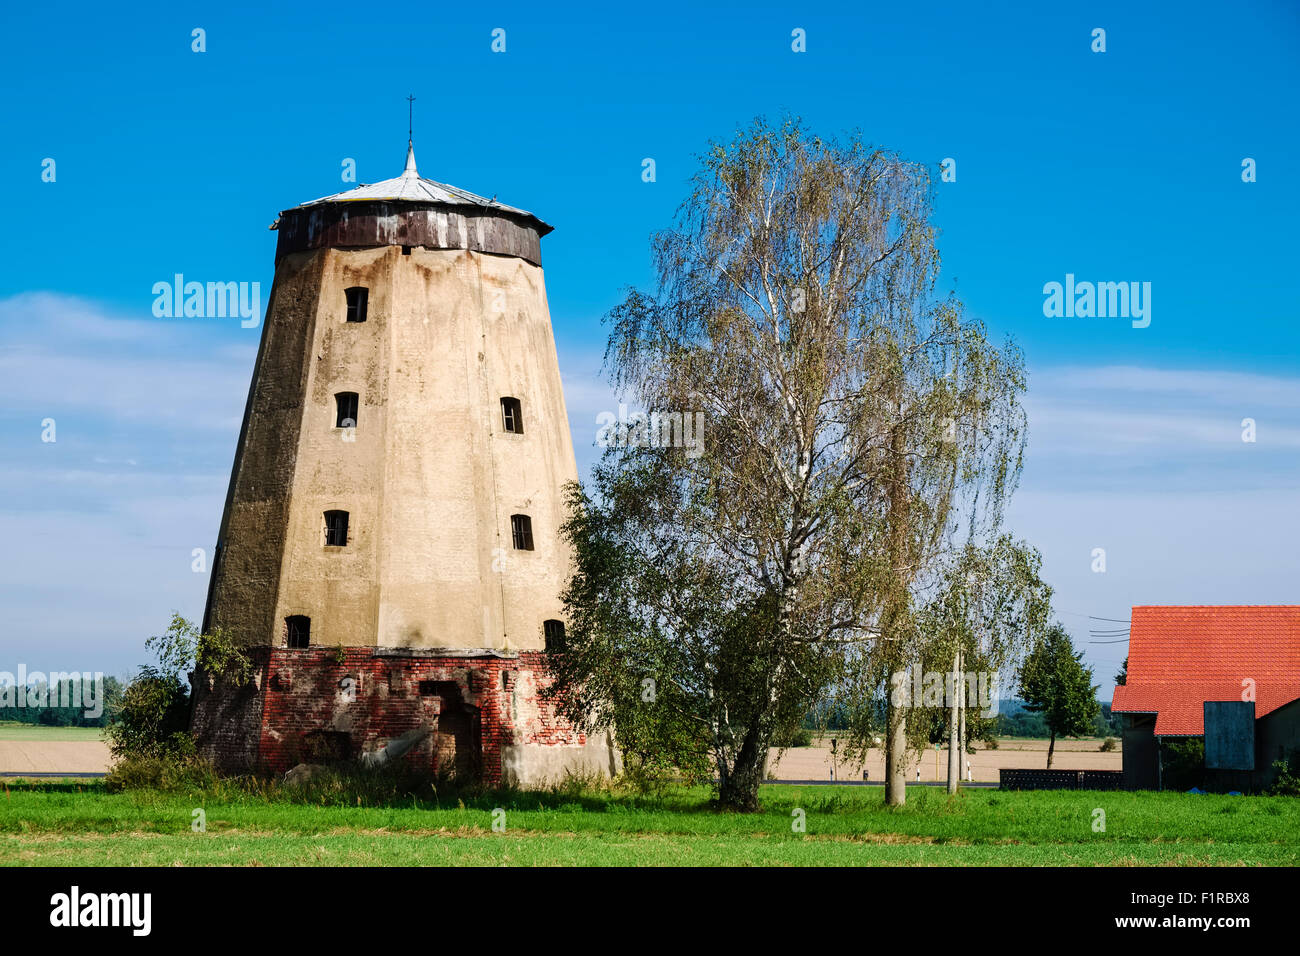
1115	166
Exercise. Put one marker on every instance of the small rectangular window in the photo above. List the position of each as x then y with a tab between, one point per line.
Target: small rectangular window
553	632
297	630
512	415
521	530
336	529
357	297
346	403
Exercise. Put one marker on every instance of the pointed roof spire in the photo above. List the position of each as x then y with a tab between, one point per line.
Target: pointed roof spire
410	172
410	187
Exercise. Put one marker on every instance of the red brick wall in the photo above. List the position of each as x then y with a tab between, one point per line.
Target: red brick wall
300	692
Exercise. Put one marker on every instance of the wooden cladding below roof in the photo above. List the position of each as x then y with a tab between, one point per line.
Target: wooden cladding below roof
365	225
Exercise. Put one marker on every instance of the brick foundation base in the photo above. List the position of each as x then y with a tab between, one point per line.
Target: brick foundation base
317	704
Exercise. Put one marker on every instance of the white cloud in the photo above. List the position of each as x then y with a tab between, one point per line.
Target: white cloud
65	356
99	527
1107	430
1124	428
1218	387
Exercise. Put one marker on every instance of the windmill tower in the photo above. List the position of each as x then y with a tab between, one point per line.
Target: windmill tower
390	547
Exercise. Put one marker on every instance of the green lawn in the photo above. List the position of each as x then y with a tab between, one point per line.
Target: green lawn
81	824
11	730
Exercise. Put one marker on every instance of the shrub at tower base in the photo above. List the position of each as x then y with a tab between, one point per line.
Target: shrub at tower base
149	734
854	426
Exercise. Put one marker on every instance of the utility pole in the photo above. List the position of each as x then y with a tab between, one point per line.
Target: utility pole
963	703
954	717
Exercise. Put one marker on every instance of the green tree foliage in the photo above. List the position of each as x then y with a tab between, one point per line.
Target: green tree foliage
1182	763
1122	677
853	424
990	606
1015	721
1054	682
59	710
153	719
1107	723
1018	722
1286	776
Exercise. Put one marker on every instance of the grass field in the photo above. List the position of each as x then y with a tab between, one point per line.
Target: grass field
82	824
11	730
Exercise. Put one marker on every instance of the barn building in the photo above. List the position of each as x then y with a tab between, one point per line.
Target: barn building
1229	675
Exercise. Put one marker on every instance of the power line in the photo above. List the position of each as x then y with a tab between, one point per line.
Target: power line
1094	617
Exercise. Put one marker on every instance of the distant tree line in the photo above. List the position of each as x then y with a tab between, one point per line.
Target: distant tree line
1015	721
1012	720
68	716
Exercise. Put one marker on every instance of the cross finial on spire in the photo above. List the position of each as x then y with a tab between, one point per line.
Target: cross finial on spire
410	169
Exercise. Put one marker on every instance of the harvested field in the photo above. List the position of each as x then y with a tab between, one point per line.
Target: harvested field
814	763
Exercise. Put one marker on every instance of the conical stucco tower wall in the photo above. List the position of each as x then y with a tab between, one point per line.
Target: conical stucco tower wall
429	614
428	475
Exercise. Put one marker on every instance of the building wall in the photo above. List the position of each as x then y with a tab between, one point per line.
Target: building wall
320	704
246	578
1141	754
429	478
1277	737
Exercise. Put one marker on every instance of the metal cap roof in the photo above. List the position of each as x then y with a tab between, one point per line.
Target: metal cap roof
411	187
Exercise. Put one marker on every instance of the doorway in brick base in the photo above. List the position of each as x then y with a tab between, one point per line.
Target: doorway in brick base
458	739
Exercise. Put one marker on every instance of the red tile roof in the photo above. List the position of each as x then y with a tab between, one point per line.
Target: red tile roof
1180	657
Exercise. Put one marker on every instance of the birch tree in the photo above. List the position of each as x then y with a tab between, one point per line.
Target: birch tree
851	421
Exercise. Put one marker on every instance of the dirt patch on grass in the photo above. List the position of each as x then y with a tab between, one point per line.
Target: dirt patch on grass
883	838
461	831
